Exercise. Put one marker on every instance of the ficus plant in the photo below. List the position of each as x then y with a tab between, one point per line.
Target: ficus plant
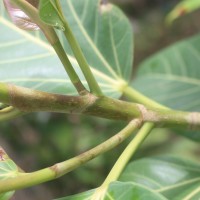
75	56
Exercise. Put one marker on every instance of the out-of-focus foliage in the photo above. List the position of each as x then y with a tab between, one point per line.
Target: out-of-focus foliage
182	8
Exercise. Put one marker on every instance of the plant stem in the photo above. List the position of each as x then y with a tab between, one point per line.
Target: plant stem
131	148
128	153
54	41
92	83
59	8
136	96
28	100
123	160
9	113
69	68
24	180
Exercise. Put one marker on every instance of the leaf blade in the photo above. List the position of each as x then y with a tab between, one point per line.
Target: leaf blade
60	82
120	191
169	176
172	76
88	34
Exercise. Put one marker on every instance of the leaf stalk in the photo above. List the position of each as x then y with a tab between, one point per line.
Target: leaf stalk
53	39
24	180
123	160
92	83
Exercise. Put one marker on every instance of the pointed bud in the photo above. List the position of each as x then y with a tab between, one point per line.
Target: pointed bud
19	18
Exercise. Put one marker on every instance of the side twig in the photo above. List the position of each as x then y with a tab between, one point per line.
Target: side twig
24	180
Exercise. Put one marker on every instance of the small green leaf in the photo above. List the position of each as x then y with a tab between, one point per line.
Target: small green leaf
181	9
50	14
8	169
174	178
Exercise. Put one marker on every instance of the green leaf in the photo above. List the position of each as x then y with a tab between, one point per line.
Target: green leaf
6	196
50	14
182	8
121	191
104	32
172	76
26	60
174	178
81	196
153	178
105	37
8	169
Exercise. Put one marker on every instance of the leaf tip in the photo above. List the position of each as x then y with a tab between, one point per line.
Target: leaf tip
19	17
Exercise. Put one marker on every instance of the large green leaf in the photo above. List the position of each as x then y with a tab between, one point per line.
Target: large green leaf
104	34
120	191
174	178
153	178
8	169
172	76
27	61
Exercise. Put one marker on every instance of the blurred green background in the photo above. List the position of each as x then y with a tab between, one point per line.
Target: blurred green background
42	139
